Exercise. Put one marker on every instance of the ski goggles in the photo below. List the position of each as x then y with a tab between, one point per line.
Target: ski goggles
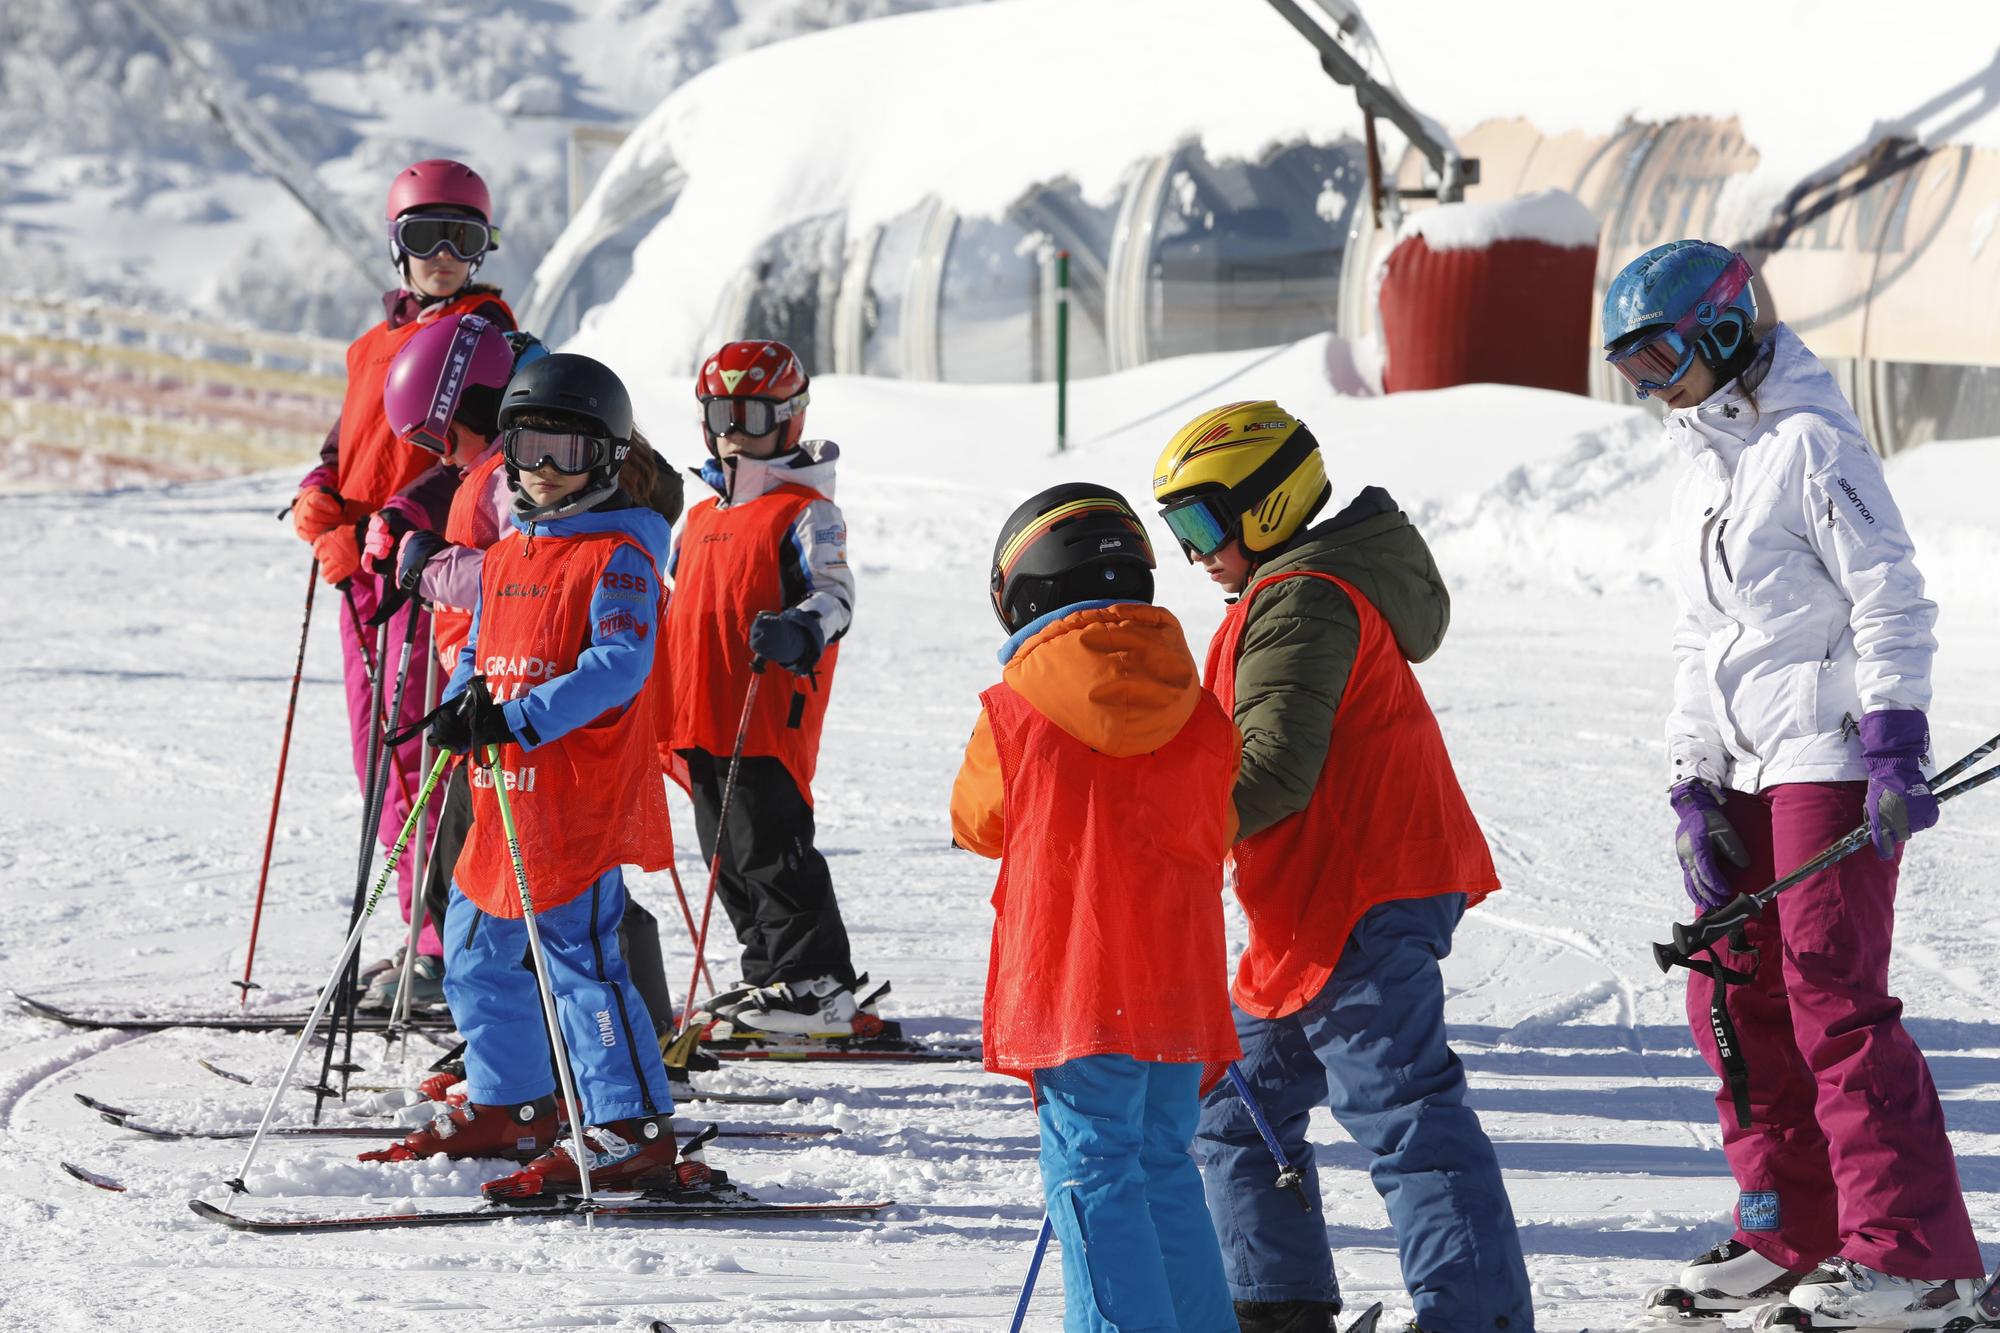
1203	524
568	452
421	235
1658	362
749	416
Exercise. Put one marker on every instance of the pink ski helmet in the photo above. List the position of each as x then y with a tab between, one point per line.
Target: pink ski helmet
454	370
439	182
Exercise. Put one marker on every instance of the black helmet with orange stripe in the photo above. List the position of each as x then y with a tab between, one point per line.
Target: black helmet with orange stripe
1072	543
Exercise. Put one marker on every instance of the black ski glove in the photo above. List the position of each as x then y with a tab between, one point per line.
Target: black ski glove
789	638
414	553
472	721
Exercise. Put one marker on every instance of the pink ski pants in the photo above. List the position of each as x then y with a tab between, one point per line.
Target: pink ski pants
1847	1152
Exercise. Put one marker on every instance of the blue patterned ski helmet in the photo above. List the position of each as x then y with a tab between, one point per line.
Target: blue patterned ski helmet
1665	283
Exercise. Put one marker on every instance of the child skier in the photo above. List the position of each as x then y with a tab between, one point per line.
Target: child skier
1104	988
1357	855
440	229
762	569
443	394
560	647
1803	659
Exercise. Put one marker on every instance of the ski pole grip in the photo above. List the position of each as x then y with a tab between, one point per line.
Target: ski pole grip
1692	937
1667	956
757	664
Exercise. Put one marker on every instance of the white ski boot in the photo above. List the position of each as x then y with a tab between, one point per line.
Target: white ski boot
1842	1294
820	1008
1730	1277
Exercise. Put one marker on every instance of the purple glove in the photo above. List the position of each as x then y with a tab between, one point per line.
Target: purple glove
1703	832
1900	803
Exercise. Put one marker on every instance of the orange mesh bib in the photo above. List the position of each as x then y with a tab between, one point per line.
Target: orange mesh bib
1387	819
1107	930
728	573
585	801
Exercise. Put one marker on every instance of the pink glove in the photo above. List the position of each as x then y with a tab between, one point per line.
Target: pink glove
381	540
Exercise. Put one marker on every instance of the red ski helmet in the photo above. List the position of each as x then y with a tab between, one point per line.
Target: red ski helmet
753	386
439	182
455	369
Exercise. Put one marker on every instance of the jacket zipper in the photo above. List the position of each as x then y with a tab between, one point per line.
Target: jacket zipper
1721	554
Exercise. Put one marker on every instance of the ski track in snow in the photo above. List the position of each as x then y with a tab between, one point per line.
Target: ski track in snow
149	682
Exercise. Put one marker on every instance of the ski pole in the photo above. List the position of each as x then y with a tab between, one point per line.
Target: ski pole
244	986
1034	1271
1289	1177
677	1053
366	857
236	1184
420	869
1691	938
380	767
687	915
578	1119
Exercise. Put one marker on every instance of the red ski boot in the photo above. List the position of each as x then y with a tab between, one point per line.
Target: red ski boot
635	1154
439	1088
522	1132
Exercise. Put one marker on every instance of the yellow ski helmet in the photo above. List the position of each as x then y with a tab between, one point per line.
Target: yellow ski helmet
1249	470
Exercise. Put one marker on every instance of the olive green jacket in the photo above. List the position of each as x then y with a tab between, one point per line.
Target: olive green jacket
1299	645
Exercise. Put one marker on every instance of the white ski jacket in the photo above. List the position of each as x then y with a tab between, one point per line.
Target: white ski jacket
1801	607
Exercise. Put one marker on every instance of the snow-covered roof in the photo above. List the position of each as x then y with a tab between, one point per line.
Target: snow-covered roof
971	106
1555	216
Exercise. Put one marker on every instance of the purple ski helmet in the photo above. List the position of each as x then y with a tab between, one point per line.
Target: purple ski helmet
455	369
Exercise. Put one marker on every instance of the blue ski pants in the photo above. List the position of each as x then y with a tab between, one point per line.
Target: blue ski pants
1124	1198
1371	1045
498	1007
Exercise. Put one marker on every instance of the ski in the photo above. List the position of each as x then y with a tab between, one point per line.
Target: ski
1365	1321
887	1047
127	1119
90	1177
1791	1317
682	1092
253	1021
642	1209
886	1043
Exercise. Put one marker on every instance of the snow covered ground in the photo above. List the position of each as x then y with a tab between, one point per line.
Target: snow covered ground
148	642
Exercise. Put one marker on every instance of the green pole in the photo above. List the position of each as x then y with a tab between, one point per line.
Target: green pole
1062	350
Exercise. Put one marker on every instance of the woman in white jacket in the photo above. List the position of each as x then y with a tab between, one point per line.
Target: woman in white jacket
1802	675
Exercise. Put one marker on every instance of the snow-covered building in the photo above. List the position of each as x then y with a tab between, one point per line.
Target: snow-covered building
898	210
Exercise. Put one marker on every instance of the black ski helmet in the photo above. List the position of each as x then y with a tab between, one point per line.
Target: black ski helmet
1072	543
579	389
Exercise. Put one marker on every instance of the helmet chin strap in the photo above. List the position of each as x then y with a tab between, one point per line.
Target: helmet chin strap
601	488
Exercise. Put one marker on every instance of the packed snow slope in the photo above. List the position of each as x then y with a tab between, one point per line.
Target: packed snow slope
150	635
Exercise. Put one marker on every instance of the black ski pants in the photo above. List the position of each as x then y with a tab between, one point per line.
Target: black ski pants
774	884
638	931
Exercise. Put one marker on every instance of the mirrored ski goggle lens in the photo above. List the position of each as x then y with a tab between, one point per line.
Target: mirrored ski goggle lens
1657	363
743	416
1200	526
422	237
423	438
565	451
